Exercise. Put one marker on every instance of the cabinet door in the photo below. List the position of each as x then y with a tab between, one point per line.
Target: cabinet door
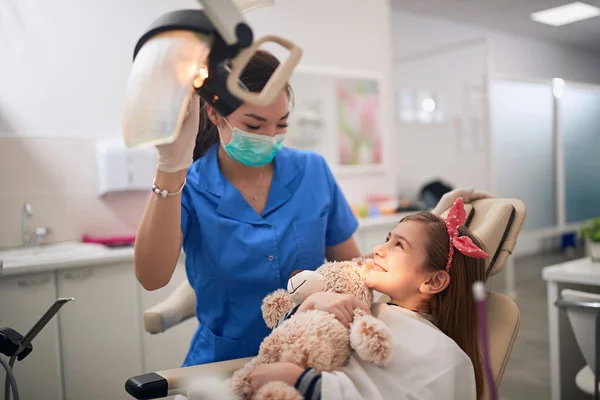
374	236
23	300
100	332
168	349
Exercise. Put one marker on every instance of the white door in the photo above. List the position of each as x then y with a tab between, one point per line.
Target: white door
168	349
23	300
100	332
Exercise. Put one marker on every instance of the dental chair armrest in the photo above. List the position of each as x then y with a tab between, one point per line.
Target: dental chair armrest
157	385
178	307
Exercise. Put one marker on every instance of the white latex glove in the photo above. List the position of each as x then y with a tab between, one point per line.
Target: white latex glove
178	155
467	195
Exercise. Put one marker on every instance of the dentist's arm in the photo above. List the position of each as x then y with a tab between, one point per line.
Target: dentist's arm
159	237
344	251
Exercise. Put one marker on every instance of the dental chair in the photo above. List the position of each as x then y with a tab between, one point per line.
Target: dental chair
497	222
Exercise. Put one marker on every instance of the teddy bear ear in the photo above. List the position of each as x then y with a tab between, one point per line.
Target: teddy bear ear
296	272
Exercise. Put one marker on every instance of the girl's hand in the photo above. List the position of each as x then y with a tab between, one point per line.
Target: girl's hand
340	305
282	371
467	195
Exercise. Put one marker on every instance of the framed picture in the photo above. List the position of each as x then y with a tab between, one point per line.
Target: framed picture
339	114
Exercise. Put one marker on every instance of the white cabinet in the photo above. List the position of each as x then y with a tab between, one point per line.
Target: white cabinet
23	300
371	236
168	349
100	331
374	237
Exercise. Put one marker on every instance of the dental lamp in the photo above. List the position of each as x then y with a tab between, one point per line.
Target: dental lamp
201	51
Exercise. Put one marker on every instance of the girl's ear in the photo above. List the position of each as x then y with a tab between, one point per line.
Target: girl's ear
438	281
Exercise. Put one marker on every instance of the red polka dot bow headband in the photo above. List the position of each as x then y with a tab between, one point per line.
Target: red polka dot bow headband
457	217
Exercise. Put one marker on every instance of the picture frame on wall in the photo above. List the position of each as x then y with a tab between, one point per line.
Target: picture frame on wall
339	114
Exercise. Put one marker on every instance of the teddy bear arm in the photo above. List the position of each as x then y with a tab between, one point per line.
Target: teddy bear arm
240	380
275	306
371	339
278	391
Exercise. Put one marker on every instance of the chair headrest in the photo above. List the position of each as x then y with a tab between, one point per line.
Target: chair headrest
497	222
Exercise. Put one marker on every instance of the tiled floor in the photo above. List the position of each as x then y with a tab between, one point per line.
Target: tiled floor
527	375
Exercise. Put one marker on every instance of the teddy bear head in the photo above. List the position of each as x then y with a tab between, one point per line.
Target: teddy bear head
346	277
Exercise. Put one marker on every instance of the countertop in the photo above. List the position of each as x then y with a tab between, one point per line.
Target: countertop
68	255
580	271
382	220
82	255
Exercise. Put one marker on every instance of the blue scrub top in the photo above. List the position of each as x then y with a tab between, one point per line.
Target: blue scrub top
235	257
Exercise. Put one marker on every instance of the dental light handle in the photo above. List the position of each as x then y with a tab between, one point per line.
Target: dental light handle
479	295
226	16
276	82
228	19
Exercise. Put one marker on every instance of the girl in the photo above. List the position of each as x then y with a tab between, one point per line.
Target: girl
427	267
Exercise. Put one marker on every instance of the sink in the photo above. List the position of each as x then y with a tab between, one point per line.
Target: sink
50	253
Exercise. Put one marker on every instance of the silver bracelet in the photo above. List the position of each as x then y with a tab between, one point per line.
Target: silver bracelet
165	193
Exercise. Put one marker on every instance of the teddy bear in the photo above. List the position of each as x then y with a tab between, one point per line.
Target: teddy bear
315	338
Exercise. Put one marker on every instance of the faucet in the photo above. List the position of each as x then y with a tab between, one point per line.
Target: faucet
29	238
26	215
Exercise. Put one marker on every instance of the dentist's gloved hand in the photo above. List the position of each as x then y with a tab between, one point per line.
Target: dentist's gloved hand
467	195
178	155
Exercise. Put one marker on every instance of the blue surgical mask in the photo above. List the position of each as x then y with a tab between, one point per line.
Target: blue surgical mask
251	149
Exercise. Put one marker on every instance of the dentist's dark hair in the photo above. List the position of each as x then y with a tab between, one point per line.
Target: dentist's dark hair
453	309
255	76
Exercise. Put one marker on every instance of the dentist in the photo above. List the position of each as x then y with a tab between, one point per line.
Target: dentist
248	212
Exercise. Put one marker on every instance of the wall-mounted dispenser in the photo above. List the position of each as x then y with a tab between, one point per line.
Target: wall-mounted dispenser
122	169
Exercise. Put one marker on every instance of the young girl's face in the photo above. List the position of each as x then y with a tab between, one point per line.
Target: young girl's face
400	261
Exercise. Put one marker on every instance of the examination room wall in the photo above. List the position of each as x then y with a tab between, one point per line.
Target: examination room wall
457	63
468	53
62	84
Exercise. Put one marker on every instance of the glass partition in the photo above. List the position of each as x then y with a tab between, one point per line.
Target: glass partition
523	161
579	110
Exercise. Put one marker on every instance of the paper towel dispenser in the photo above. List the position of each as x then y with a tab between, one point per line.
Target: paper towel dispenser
122	169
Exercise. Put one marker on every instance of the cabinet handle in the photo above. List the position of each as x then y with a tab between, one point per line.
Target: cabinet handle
81	274
34	281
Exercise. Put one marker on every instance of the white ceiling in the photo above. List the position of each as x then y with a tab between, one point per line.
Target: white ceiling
511	16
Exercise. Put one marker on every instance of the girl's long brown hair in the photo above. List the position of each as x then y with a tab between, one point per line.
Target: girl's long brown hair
453	309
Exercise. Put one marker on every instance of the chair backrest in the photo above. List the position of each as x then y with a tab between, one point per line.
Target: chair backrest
583	323
497	223
503	318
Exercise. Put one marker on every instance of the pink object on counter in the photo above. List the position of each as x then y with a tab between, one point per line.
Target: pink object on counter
111	241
